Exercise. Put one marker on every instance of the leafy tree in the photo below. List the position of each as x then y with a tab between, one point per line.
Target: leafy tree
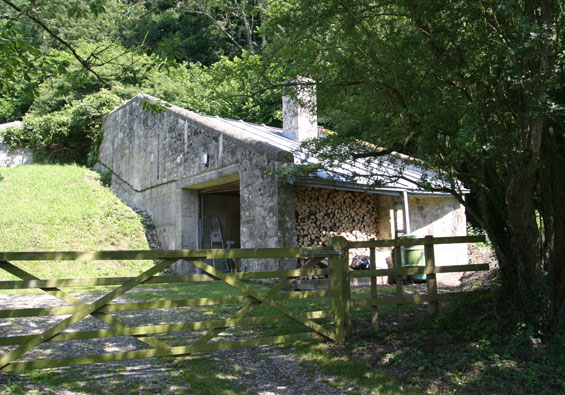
69	135
19	16
474	90
29	30
237	20
170	30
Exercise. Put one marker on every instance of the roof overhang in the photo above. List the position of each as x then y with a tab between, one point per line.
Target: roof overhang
317	182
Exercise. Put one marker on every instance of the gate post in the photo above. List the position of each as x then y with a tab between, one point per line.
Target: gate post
339	288
433	306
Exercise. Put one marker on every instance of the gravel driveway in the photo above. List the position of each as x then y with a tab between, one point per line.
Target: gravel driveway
262	370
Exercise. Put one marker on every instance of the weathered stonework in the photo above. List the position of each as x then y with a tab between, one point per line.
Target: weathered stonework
13	157
436	216
160	161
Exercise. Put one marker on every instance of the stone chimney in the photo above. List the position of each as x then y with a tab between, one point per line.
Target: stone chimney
300	121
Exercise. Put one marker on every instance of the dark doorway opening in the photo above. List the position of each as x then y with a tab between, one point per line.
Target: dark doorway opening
220	217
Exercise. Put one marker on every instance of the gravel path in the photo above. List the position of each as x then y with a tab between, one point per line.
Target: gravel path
262	370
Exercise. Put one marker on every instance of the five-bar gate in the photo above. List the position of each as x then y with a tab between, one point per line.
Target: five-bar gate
331	323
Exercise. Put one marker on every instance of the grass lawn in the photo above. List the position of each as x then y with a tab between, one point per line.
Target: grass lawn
62	208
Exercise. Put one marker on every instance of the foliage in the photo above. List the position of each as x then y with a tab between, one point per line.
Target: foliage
106	178
71	134
17	55
473	230
56	55
237	21
170	31
474	90
29	31
472	346
13	106
124	68
55	207
63	123
246	88
31	28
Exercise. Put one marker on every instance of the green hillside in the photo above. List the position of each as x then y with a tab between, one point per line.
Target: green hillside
56	207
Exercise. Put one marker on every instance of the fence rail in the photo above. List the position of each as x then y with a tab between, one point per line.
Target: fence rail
330	323
398	273
241	253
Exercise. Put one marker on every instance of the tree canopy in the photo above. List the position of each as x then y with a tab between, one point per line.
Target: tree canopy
475	91
93	54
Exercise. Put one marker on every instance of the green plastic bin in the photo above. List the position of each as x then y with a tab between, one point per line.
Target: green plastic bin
414	256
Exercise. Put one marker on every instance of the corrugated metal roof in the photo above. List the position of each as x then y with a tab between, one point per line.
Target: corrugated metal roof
268	134
387	170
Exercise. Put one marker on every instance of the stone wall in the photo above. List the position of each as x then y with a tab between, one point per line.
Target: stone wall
13	157
160	161
436	216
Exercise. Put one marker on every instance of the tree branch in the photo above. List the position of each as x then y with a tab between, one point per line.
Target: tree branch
218	24
68	46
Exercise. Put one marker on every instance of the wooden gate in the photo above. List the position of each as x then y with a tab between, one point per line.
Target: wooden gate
336	318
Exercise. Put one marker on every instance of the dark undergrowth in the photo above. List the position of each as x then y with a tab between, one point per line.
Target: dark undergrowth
470	347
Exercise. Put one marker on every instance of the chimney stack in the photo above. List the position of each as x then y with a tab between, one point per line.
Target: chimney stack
300	121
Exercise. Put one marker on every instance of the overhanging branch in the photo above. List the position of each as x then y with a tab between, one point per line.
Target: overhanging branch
68	46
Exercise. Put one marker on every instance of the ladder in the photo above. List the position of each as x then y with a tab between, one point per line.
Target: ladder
217	241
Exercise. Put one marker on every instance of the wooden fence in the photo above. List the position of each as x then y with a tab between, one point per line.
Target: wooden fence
337	315
398	273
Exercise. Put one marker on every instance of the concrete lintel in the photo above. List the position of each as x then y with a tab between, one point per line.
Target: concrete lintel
212	178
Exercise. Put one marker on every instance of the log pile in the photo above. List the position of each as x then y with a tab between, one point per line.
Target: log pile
324	213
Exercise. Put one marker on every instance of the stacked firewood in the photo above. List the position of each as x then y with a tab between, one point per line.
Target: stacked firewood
324	213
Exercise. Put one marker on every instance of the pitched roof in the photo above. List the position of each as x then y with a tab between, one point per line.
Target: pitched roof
270	138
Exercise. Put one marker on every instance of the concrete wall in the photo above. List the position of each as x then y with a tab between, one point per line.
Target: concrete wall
160	161
13	157
436	216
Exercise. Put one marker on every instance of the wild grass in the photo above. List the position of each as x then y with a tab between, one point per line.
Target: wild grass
65	207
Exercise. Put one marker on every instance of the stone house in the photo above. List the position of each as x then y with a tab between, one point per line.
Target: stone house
193	172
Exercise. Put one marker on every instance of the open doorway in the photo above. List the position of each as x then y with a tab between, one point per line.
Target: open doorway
220	217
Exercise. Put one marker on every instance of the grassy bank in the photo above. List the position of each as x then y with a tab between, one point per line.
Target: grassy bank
55	207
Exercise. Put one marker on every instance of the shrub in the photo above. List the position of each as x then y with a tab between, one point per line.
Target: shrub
70	135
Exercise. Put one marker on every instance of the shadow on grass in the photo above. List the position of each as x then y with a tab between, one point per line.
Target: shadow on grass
466	349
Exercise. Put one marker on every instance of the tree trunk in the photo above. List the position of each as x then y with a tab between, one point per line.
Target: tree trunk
552	207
